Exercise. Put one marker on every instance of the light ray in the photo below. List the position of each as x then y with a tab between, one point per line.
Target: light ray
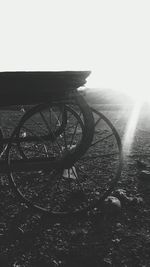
131	127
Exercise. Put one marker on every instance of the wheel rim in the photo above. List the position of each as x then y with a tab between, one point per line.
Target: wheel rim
97	172
100	168
39	188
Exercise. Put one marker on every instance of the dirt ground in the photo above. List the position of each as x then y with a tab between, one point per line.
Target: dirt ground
112	236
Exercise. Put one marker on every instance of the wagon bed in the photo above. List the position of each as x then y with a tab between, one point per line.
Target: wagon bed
32	87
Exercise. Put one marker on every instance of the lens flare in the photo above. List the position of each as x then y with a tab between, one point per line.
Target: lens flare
131	127
129	91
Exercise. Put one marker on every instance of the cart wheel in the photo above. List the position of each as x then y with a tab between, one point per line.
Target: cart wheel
38	131
94	176
58	117
58	132
38	137
99	169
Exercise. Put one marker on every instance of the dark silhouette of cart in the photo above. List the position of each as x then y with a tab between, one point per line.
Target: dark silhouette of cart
61	156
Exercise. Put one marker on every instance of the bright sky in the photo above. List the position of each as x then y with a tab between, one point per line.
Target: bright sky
110	38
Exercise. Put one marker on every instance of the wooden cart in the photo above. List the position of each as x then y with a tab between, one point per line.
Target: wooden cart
61	156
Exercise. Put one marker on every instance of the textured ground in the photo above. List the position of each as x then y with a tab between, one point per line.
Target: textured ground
111	237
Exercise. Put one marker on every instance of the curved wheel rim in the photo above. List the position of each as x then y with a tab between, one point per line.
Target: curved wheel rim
98	171
26	196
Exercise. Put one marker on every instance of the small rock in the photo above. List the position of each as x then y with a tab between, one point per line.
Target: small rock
121	194
118	225
116	240
108	261
112	205
119	228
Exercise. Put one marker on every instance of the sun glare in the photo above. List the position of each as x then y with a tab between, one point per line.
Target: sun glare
136	90
140	95
131	127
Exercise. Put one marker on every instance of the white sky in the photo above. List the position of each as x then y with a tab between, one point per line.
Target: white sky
109	37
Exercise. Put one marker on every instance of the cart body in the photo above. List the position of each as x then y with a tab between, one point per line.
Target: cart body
20	88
